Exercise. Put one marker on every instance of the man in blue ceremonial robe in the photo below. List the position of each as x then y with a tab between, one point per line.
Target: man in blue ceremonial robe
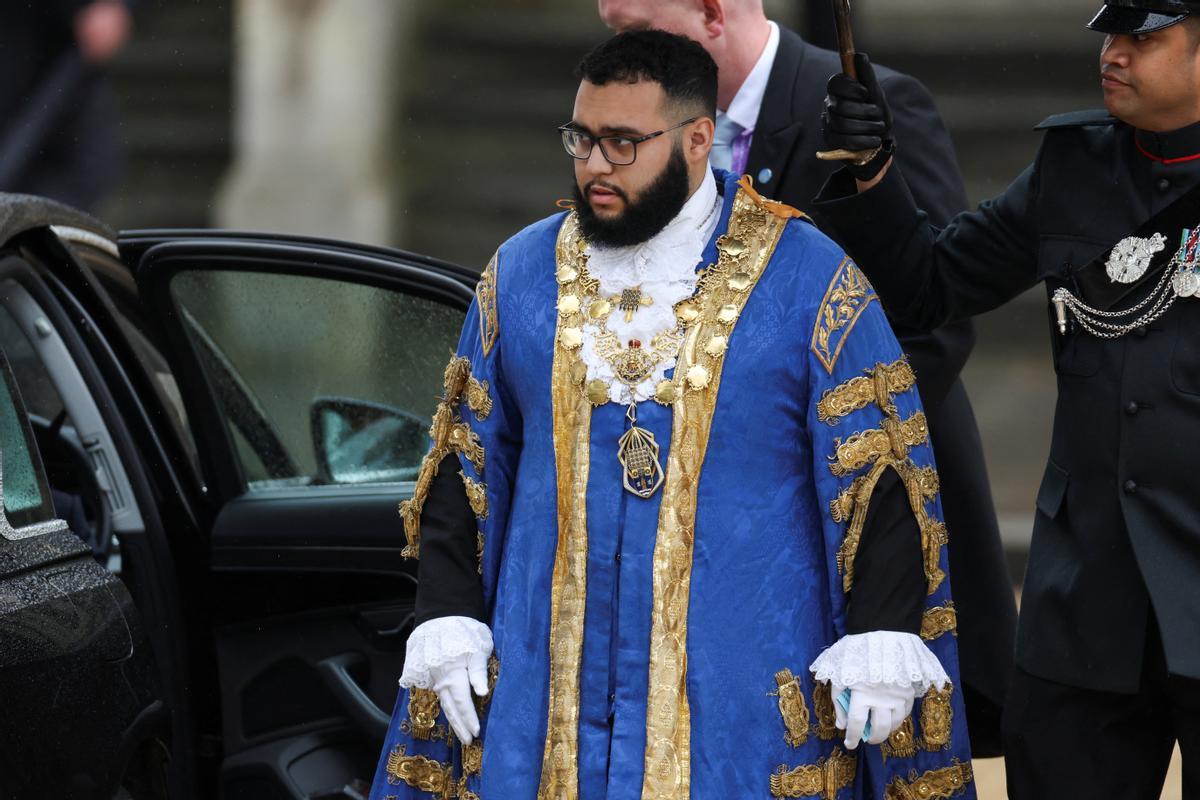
679	525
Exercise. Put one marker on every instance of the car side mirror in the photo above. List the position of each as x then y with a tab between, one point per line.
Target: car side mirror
357	441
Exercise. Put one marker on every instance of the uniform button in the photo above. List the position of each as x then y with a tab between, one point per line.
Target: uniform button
1140	331
1133	408
1131	487
1164	184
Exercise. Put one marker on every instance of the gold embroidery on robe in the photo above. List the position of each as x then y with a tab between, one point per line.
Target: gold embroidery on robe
421	773
572	419
937	716
485	297
901	743
939	620
423	710
848	295
448	434
826	725
824	779
476	495
894	439
936	784
743	254
792	708
878	386
472	758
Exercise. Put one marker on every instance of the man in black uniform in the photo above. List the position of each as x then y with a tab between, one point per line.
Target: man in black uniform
770	95
1108	657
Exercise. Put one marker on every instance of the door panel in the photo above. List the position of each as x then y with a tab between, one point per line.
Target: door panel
310	371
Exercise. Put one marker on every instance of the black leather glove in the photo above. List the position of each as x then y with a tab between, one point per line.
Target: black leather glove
857	118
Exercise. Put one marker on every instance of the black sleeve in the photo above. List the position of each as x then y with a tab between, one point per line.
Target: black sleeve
924	276
925	153
889	572
448	582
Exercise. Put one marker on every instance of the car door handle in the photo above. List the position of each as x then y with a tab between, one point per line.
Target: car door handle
360	708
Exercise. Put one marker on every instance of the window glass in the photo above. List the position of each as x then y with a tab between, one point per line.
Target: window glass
26	497
319	381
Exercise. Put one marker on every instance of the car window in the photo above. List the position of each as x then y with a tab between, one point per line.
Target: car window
319	381
26	496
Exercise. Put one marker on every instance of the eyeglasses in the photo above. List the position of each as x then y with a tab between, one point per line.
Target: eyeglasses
620	151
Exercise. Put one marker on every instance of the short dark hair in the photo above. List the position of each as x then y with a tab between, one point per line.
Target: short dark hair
684	69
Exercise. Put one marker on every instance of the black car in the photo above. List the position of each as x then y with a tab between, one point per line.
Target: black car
204	437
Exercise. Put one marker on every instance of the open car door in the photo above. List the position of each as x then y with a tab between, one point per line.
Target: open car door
310	371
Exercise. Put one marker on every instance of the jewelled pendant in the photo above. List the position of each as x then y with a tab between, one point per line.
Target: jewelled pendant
637	450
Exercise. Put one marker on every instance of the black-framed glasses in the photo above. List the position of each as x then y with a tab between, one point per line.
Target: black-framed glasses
618	150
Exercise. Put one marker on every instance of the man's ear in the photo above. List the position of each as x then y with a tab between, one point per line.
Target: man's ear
699	139
714	16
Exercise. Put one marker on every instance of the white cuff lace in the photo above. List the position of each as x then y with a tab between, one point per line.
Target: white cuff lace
438	642
881	658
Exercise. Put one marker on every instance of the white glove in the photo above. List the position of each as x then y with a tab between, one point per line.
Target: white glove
449	655
885	671
885	706
453	682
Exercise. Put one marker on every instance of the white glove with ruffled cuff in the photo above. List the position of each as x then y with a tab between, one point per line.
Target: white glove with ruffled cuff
449	655
884	671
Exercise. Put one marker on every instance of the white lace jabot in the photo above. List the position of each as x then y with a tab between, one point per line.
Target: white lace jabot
664	267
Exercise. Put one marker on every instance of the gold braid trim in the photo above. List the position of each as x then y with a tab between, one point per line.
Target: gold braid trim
792	708
472	758
936	784
485	297
824	779
939	620
879	385
476	495
448	434
885	448
423	710
826	725
937	717
421	773
893	438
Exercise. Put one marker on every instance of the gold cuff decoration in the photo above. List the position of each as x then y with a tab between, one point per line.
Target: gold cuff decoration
878	386
894	439
485	297
448	434
936	784
826	727
824	779
848	295
792	708
901	743
939	620
937	717
423	710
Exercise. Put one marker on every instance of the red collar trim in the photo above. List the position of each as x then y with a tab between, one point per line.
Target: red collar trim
1162	160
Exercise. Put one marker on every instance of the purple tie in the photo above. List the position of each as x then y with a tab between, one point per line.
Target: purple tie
741	151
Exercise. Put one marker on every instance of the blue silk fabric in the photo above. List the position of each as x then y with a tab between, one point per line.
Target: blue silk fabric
766	592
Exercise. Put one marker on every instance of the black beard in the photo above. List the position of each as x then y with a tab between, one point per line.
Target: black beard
642	218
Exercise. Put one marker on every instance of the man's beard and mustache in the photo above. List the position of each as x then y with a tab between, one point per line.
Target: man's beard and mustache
658	204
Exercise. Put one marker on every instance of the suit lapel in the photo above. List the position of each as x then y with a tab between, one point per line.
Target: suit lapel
777	130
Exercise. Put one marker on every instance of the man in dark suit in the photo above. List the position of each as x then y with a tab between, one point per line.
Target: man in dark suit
58	118
770	95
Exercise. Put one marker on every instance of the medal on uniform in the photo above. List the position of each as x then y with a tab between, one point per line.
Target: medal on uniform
1131	257
1186	281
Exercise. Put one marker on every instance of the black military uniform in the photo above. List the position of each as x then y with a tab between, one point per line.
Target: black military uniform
1108	652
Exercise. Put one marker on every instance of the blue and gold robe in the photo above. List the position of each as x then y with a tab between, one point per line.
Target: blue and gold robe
659	648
